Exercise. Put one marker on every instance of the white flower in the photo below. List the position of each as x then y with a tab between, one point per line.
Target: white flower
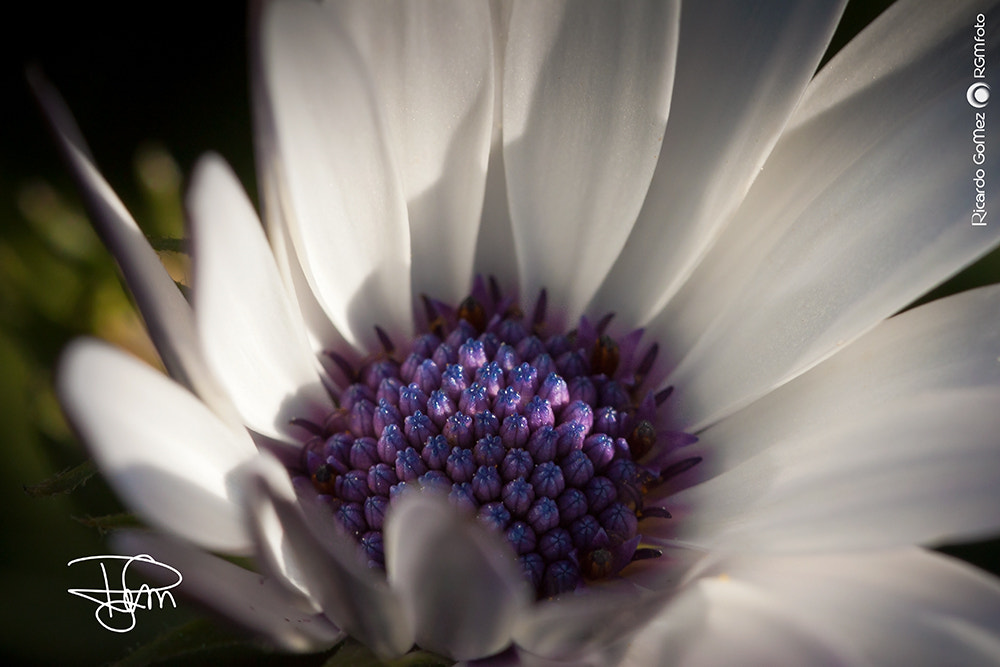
681	167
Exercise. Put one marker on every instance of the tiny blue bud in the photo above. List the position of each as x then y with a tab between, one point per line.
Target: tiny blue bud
375	508
458	430
390	443
489	451
435	452
577	469
555	544
409	465
381	478
516	463
439	407
518	495
494	516
572	504
543	515
460	465
412	399
521	537
514	431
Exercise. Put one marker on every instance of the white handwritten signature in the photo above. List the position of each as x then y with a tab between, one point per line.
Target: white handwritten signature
124	600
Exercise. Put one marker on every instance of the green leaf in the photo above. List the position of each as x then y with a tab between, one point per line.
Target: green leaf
63	482
197	636
110	522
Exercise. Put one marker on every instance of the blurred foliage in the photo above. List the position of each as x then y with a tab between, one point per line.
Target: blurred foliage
139	79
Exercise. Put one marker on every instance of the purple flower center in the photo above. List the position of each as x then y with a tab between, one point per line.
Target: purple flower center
546	438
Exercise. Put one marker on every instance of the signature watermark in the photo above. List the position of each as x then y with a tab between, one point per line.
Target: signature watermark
978	95
116	607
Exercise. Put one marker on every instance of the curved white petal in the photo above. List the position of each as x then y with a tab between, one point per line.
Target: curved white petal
724	622
863	205
907	607
915	471
431	65
585	98
461	583
340	191
253	338
167	315
162	450
241	596
330	572
741	69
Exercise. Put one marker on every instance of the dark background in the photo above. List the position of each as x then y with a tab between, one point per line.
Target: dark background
137	75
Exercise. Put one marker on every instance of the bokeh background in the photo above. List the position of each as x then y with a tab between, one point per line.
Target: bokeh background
152	86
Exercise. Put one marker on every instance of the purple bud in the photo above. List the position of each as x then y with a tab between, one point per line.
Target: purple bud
444	354
352	487
356	392
506	403
538	412
521	537
390	443
409	465
378	370
543	515
507	357
578	412
427	376
543	444
435	480
462	332
375	508
572	364
530	347
460	465
458	430
600	493
582	389
511	331
619	522
514	431
533	568
485	423
613	393
494	516
472	355
577	469
558	344
600	448
462	497
361	417
554	390
571	437
412	399
572	504
524	380
516	463
555	544
518	495
547	478
490	343
425	344
560	577
364	453
544	364
474	399
439	407
491	377
371	547
489	451
385	414
453	381
381	477
486	484
584	531
607	420
388	391
418	429
435	452
352	517
410	366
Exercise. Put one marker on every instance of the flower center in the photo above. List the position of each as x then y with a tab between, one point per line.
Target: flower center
547	438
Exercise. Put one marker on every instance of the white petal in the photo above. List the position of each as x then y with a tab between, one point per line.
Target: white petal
461	583
723	622
914	471
341	194
861	208
253	338
331	572
241	596
169	458
167	315
895	608
741	69
431	65
585	100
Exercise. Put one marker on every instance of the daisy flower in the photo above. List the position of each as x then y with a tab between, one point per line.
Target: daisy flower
568	337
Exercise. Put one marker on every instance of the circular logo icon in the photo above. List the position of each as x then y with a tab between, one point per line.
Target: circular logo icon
978	94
